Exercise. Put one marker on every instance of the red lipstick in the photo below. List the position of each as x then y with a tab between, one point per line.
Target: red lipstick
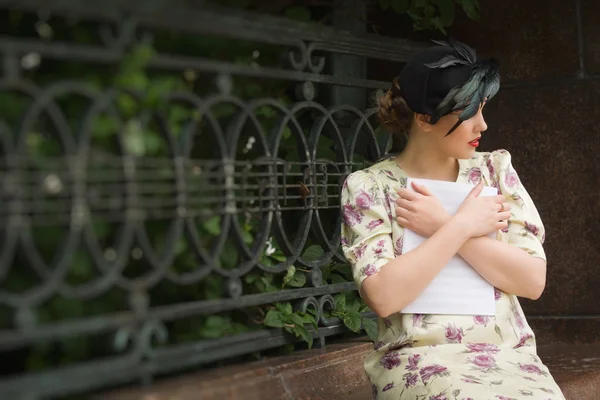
475	142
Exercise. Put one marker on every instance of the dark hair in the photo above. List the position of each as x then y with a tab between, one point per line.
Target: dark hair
395	116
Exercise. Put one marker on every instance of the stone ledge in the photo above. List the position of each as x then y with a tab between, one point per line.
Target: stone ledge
310	375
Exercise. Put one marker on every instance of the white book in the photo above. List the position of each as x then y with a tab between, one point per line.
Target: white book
457	289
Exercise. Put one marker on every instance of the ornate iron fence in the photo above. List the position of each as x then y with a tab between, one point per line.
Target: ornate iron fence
166	171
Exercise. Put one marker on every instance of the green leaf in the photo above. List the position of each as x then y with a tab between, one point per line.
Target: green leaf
247	237
298	13
370	328
229	256
309	318
340	302
294	278
335	278
287	132
134	138
384	4
267	286
352	304
274	319
213	225
313	253
279	256
297	319
301	332
400	6
353	321
215	326
284	308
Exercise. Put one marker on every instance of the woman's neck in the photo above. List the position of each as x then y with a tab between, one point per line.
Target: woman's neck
420	161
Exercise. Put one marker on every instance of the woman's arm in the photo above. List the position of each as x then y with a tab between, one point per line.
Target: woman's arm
505	266
401	280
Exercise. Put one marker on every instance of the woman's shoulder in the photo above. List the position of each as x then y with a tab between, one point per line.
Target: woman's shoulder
373	175
490	159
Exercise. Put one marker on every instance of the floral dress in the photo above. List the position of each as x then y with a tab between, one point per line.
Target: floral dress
446	357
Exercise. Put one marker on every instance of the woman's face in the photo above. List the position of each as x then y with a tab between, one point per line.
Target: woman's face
464	140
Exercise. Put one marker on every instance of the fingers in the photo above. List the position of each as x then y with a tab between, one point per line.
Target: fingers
408	194
502	225
402	221
405	204
476	190
421	189
504	216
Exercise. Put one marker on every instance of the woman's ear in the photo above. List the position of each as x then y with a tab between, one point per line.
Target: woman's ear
422	122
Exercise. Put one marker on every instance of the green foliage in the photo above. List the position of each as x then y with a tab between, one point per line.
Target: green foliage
432	14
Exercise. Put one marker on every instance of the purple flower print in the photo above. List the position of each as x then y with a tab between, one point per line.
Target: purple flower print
345	241
417	320
483	348
431	371
497	294
490	167
467	380
440	396
374	224
511	180
532	228
351	215
531	369
387	322
378	345
519	319
500	397
390	360
474	175
399	245
364	200
505	230
389	174
454	334
413	360
523	340
411	380
483	361
481	320
370	270
360	251
345	185
388	387
379	247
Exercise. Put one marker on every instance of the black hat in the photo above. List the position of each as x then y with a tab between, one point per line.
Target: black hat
446	78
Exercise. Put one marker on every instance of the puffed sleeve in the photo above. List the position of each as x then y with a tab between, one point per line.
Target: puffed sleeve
366	227
525	227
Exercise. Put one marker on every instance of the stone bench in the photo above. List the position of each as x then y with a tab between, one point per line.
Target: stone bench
337	373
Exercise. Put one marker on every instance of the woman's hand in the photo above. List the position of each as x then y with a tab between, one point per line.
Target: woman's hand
420	211
483	215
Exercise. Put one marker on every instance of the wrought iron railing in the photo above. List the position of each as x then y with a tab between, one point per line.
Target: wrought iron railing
150	178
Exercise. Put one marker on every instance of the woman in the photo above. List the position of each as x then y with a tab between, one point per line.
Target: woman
437	101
